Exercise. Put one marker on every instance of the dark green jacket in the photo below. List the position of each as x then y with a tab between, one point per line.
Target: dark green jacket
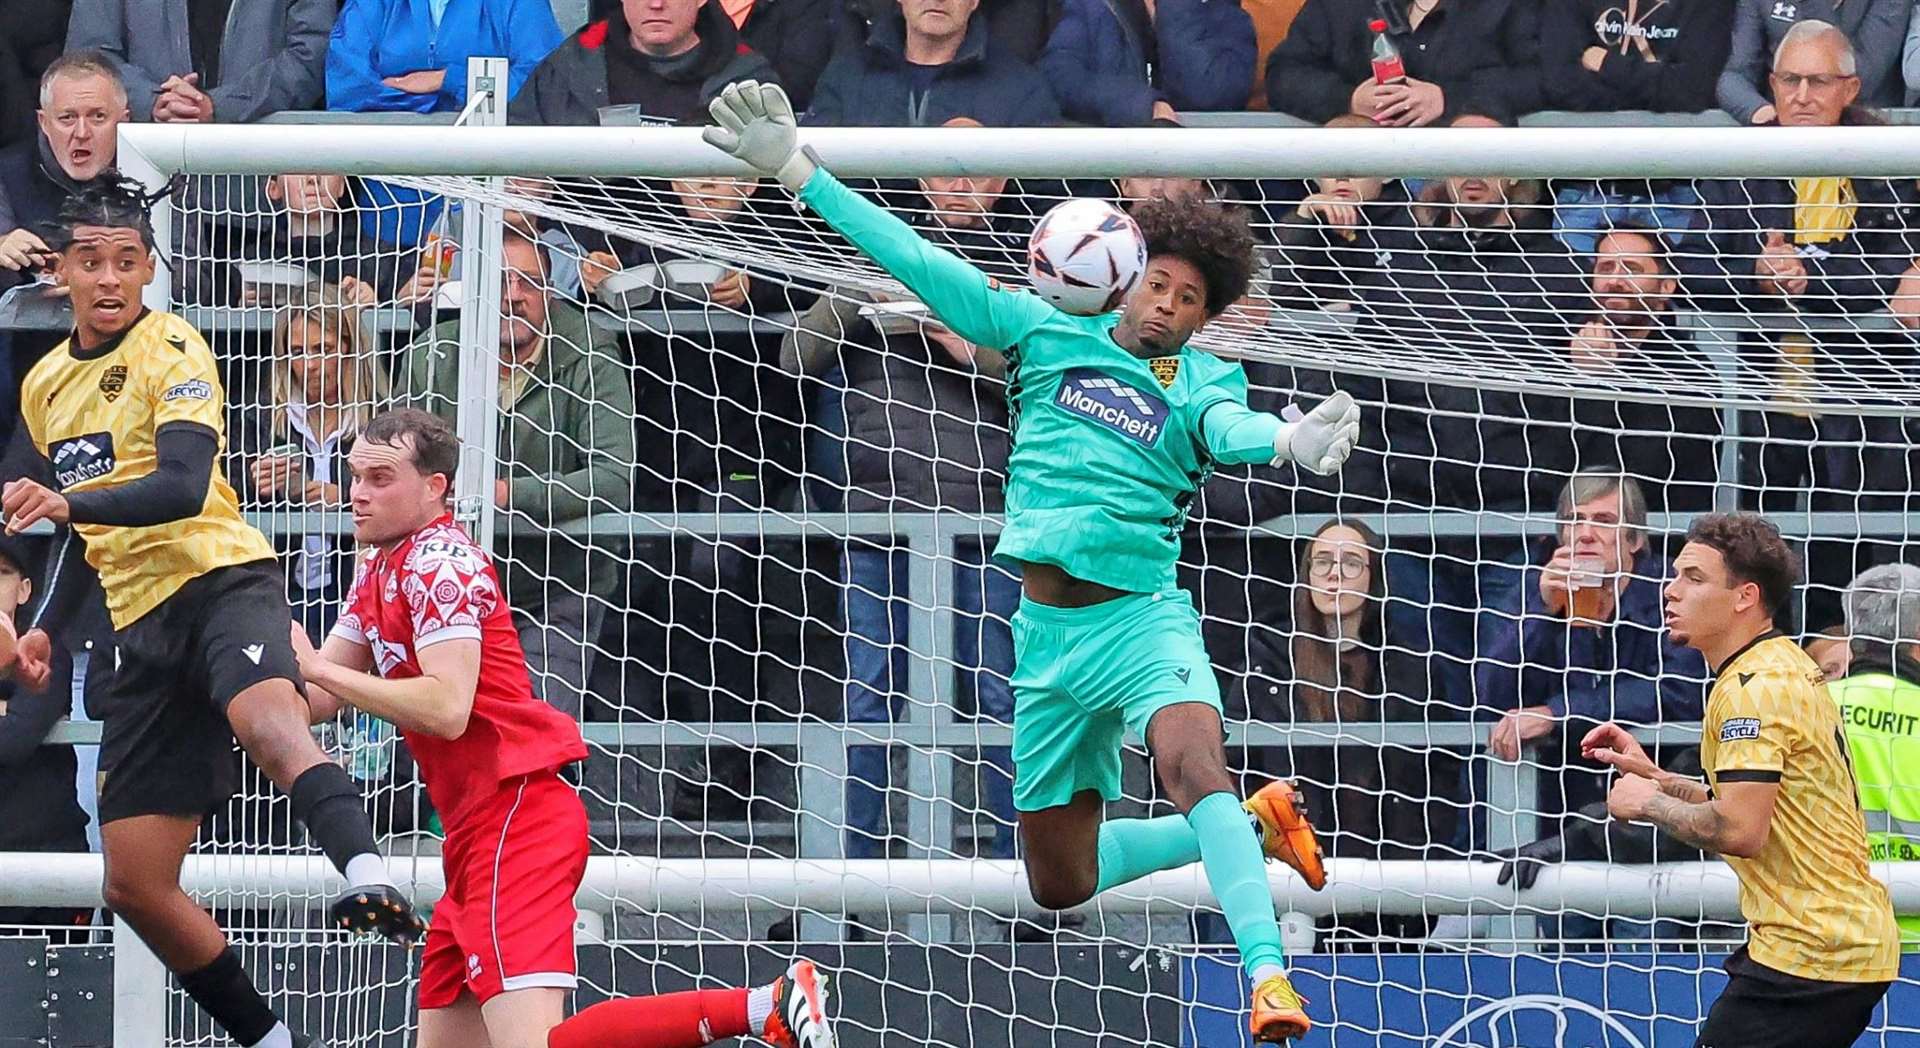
567	448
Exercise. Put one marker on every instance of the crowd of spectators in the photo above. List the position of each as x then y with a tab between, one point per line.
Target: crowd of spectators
748	393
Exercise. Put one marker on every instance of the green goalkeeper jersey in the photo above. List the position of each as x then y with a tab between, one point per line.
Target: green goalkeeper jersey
1109	449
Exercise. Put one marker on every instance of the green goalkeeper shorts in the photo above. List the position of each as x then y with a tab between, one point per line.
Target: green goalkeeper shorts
1081	676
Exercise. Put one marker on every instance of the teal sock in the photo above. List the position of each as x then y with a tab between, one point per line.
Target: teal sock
1134	848
1237	871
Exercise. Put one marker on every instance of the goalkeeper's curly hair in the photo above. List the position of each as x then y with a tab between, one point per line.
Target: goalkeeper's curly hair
1214	238
111	200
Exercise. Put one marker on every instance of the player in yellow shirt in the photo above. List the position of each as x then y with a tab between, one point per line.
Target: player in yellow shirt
1779	803
130	413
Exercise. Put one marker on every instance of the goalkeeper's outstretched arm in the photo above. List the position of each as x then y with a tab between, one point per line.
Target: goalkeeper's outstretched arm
754	122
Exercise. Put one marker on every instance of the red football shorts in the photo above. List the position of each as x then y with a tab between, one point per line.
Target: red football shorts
506	922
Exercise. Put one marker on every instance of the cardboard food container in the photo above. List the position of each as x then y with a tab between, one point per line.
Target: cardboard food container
274	283
629	289
689	276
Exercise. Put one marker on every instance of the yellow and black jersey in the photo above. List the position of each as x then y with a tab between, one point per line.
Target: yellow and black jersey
94	414
1813	907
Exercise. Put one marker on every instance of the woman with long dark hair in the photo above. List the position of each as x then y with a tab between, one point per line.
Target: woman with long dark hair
1336	665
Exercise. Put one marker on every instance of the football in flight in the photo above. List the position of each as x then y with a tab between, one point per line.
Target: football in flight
1086	256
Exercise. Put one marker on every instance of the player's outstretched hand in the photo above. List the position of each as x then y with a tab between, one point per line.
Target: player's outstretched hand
1614	746
1321	441
754	123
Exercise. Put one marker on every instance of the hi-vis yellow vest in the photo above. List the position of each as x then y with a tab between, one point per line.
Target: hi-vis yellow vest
1881	715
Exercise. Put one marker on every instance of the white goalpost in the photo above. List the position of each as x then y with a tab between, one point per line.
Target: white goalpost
762	595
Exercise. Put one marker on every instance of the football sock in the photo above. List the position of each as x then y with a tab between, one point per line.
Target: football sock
1237	871
671	1020
1134	848
224	992
327	803
760	1005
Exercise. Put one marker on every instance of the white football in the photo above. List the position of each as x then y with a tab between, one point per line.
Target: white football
1086	256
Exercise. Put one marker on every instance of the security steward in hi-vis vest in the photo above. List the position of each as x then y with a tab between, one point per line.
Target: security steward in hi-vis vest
1880	711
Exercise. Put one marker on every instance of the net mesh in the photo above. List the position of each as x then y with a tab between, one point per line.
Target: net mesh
748	489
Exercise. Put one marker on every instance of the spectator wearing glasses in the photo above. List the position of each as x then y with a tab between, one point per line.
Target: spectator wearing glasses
1338	661
566	450
1822	247
1874	28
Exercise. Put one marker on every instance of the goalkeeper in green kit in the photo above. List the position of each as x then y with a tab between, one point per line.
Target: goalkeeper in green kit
1116	424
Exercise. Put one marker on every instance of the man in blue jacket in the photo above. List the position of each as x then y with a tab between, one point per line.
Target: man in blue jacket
1126	63
926	63
397	55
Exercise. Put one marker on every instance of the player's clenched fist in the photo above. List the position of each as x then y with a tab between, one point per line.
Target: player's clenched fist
1630	796
33	659
1320	442
26	502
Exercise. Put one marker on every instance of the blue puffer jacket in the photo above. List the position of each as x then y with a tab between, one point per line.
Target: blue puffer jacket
376	39
1109	63
872	86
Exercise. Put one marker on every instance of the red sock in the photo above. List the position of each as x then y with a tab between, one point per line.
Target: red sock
671	1020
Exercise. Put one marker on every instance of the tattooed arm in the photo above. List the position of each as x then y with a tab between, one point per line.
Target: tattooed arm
1735	823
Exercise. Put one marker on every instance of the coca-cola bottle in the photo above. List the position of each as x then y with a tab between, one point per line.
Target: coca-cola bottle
1387	67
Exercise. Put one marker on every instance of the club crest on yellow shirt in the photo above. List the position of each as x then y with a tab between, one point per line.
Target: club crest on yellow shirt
112	381
1166	369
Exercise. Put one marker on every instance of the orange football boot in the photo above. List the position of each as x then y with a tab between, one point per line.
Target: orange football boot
1279	1012
1285	833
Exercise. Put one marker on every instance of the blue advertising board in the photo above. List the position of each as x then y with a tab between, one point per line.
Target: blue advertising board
1437	1000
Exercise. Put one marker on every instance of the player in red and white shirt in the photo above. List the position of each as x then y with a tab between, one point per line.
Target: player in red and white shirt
426	641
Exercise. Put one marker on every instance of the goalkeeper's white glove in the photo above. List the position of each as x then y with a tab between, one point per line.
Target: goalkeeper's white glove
754	123
1323	439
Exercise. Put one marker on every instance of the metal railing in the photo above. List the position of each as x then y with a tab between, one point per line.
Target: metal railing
934	734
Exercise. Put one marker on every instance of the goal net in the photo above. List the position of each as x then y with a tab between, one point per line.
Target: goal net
743	490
